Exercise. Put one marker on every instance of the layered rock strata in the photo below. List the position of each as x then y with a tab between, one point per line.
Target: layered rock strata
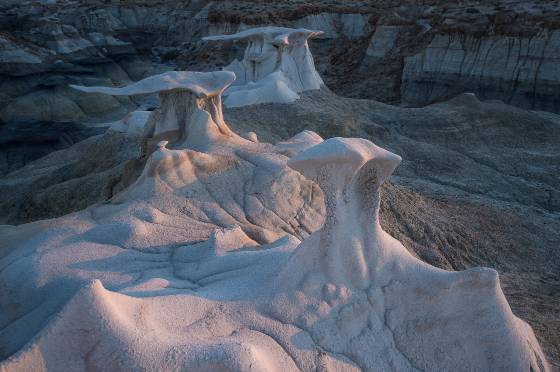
522	71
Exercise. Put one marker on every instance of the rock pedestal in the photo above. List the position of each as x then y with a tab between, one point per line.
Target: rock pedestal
187	100
276	66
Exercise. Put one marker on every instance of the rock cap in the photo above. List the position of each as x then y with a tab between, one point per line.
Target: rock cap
350	154
278	34
202	84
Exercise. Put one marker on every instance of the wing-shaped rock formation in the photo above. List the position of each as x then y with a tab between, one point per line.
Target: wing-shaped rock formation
188	100
359	292
215	259
277	64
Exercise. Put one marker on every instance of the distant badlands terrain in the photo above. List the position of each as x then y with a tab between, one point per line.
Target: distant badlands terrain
467	93
396	52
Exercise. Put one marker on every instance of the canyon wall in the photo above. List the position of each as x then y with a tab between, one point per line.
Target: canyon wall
522	71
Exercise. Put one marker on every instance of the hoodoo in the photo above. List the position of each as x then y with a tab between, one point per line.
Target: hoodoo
357	291
350	173
187	99
214	258
276	66
335	186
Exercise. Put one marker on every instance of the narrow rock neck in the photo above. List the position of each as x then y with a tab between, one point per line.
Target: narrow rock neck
349	239
173	120
214	107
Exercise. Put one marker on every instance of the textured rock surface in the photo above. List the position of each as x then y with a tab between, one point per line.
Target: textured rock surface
351	252
469	200
477	186
69	180
364	51
523	71
181	94
44	47
21	144
368	50
276	66
223	227
461	200
382	59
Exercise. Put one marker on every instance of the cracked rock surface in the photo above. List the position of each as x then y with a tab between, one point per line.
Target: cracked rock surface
206	261
455	205
231	253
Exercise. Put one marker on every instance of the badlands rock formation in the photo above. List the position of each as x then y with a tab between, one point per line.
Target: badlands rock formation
21	144
359	292
276	66
182	94
70	180
386	50
460	200
395	55
367	49
179	199
208	261
477	186
43	48
133	123
452	64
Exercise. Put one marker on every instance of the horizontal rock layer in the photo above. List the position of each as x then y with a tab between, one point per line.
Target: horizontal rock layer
522	71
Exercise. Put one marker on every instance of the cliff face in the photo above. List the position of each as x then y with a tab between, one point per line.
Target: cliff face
522	71
44	47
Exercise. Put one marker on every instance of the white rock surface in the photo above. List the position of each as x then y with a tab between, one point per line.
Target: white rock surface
277	65
184	96
372	300
206	262
272	88
116	275
202	84
132	124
